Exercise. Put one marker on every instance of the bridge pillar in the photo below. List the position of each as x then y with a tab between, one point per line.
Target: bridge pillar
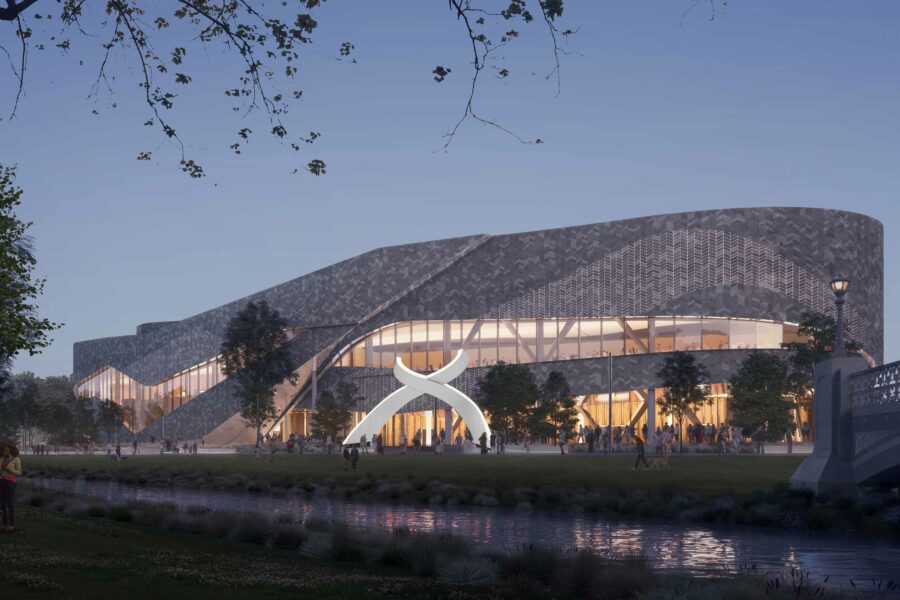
829	469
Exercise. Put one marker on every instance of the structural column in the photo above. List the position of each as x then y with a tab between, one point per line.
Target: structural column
651	411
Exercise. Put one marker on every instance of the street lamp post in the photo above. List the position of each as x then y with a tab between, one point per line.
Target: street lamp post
839	285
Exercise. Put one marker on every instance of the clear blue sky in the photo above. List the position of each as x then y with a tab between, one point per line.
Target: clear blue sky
773	103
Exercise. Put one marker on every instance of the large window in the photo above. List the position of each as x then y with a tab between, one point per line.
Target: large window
143	404
429	345
687	334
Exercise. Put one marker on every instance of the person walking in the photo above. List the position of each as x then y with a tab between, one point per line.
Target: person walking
459	442
804	431
329	443
118	451
134	447
639	446
589	438
345	453
10	471
363	443
561	440
354	457
403	443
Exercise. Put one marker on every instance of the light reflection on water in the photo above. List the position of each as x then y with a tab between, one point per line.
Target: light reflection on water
681	547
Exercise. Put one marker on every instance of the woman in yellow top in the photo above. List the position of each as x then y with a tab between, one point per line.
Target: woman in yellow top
10	470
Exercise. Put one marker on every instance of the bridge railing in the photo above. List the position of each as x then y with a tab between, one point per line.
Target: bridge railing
877	386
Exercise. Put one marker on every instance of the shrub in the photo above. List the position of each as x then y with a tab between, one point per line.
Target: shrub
150	515
121	514
288	537
219	524
624	579
393	556
250	529
315	524
183	523
317	545
579	572
344	547
530	560
469	571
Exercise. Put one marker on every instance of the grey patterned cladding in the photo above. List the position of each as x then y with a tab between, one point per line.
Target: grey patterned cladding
769	263
341	294
765	263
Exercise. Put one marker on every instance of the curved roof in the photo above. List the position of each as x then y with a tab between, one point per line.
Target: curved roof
755	262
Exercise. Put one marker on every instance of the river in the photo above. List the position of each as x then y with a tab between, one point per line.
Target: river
669	546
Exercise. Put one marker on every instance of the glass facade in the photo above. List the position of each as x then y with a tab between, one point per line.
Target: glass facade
429	345
144	404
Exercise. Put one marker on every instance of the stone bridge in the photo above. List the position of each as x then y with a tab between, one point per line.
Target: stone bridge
875	396
857	414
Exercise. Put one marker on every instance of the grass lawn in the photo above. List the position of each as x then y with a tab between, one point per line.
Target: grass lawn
56	556
704	475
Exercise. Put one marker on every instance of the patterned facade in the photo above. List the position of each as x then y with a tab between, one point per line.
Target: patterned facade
756	263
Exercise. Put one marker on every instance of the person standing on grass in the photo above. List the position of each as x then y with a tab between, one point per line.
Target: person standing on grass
345	454
482	442
363	443
639	446
118	451
273	448
354	457
562	441
10	471
459	442
134	447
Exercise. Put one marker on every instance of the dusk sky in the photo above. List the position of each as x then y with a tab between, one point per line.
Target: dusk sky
772	103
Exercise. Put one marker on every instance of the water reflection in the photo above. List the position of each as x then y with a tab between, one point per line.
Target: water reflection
687	548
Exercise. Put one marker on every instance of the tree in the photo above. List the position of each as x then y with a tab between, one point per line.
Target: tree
8	428
683	377
264	43
109	417
20	329
761	392
24	410
256	359
820	332
84	423
508	393
58	400
333	410
555	409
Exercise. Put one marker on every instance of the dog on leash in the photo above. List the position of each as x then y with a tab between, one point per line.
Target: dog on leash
659	462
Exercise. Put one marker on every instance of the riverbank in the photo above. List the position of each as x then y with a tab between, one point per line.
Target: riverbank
741	490
78	547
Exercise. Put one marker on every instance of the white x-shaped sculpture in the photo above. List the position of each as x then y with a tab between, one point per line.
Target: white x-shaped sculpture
416	384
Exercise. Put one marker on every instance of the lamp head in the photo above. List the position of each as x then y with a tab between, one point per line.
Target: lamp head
840	285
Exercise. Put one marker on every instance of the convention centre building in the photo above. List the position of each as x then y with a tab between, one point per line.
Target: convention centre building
717	283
